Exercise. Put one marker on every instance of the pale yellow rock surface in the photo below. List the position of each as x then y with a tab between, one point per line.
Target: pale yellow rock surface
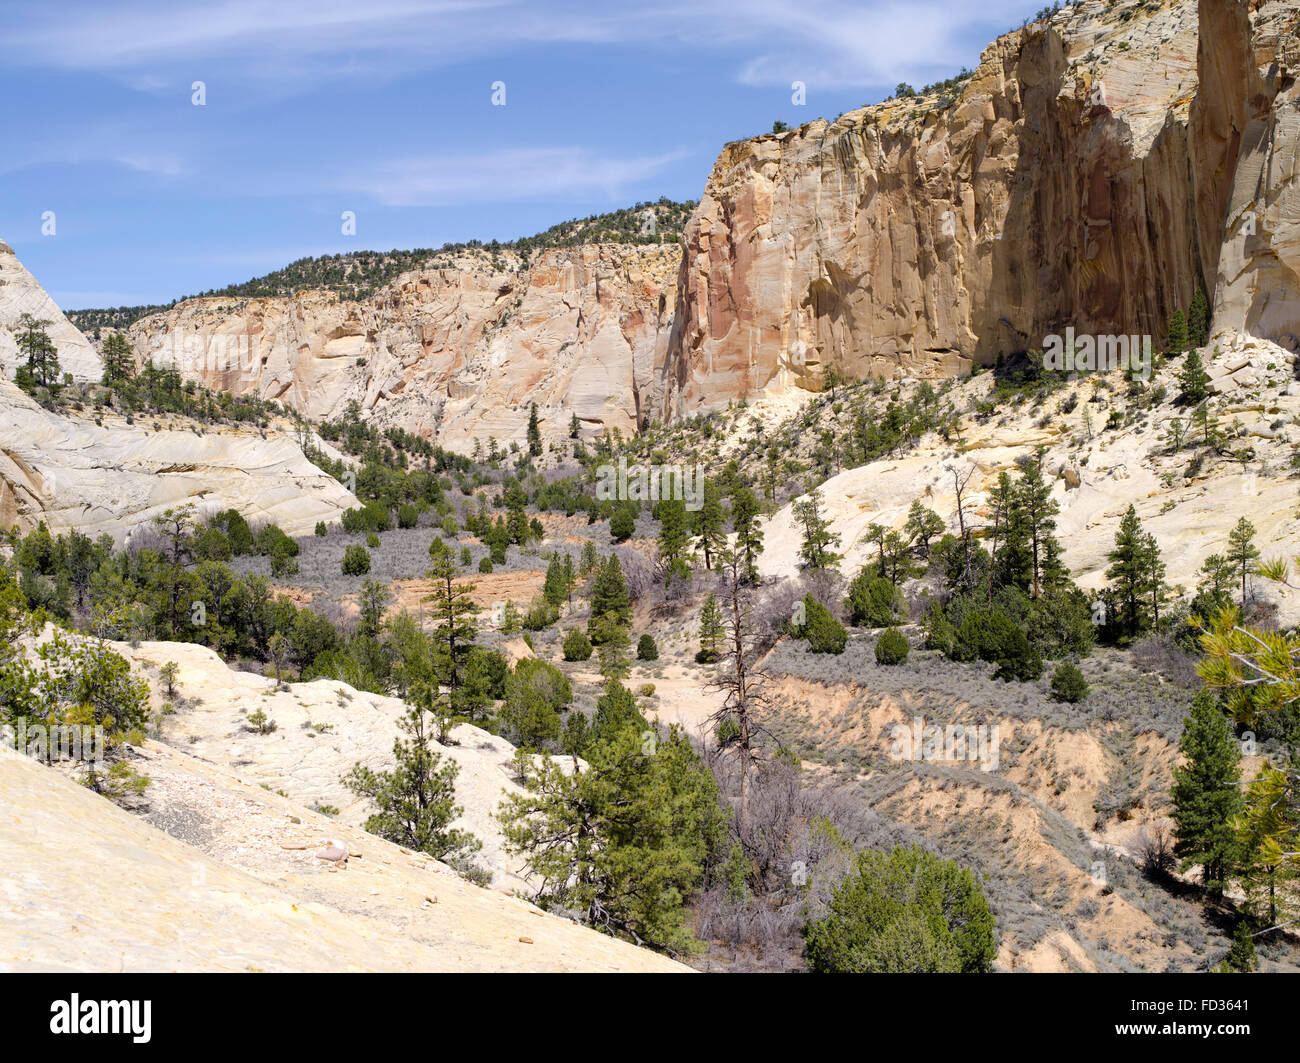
322	729
21	294
1190	518
86	886
68	471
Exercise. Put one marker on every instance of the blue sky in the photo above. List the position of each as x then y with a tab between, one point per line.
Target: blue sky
384	108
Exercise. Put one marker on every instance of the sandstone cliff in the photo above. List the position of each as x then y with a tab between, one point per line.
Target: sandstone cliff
454	354
1093	172
1097	168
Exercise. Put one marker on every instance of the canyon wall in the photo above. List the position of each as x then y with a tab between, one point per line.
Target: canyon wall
1097	168
105	474
919	237
1247	126
100	472
456	354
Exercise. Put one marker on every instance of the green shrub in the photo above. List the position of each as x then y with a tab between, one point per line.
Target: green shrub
622	523
939	633
995	637
535	693
372	541
407	515
541	614
1069	684
485	566
727	731
577	647
870	600
892	647
321	529
904	911
356	560
646	649
824	633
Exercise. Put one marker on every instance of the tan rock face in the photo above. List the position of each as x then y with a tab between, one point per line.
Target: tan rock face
1080	178
454	354
1248	127
1095	170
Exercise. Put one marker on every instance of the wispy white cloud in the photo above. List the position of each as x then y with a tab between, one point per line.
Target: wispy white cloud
161	165
823	42
513	174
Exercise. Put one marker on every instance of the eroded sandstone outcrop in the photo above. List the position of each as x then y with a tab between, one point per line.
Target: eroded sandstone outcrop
69	471
456	353
21	294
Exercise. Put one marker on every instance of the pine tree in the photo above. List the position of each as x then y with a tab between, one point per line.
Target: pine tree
875	535
575	427
1034	499
1205	793
373	601
1175	434
1153	568
674	540
711	526
819	542
749	535
554	589
534	432
42	356
1242	552
119	359
711	632
417	800
1241	958
622	522
923	525
568	577
1268	831
1177	333
1193	380
744	688
623	843
1136	575
609	594
1198	320
454	610
1001	504
1208	424
516	502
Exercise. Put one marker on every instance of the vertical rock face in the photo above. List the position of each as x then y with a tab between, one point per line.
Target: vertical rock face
454	354
20	294
1246	124
1093	172
919	237
1097	168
